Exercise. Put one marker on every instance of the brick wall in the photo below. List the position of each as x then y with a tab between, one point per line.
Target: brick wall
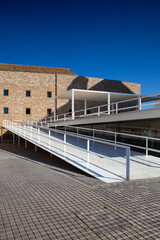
39	82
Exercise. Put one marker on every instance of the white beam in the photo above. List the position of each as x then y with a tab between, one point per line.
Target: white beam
73	115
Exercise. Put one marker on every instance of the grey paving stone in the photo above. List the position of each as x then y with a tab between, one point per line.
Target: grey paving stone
43	200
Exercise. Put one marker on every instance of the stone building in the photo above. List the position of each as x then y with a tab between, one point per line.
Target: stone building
27	92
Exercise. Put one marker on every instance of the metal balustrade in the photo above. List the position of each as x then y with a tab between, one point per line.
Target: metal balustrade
67	145
95	132
139	103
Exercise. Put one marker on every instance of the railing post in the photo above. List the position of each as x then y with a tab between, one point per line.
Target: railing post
139	103
127	164
109	102
88	148
65	136
65	117
38	135
93	135
98	110
116	107
31	131
115	140
85	107
146	146
77	132
49	133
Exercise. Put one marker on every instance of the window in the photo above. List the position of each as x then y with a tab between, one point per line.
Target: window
5	110
5	92
28	111
49	94
49	111
28	93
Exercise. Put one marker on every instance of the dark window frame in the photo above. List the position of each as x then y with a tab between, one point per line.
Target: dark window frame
5	92
50	111
28	93
5	110
28	111
49	94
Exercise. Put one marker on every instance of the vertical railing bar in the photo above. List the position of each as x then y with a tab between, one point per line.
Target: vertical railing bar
146	146
115	140
127	164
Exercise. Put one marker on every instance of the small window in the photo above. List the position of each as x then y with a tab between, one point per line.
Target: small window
5	92
28	111
5	110
28	93
49	94
49	111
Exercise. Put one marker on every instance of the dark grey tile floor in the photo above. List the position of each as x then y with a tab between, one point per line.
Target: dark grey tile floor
45	198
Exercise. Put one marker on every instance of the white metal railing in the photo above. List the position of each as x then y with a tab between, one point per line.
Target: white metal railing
139	103
41	136
115	135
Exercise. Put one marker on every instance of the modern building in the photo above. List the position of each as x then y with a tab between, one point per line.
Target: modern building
27	92
98	125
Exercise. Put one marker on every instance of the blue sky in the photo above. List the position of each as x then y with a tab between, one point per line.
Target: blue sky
116	39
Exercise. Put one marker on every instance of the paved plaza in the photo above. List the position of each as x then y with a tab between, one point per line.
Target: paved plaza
42	197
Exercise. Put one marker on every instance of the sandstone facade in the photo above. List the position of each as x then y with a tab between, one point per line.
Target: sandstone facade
18	79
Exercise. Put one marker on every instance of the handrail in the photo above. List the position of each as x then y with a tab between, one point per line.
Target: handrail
115	134
126	134
116	110
22	126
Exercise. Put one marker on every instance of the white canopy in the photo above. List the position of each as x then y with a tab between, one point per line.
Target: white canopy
91	95
97	96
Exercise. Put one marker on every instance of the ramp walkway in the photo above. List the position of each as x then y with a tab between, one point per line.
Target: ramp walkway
117	107
105	161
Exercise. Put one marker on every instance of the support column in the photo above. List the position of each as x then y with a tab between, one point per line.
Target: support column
36	148
55	107
109	102
73	114
1	133
85	107
14	138
19	141
26	144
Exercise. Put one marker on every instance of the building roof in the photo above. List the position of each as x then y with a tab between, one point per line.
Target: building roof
34	69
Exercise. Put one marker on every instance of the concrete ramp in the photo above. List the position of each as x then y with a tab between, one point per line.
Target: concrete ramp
102	160
106	161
